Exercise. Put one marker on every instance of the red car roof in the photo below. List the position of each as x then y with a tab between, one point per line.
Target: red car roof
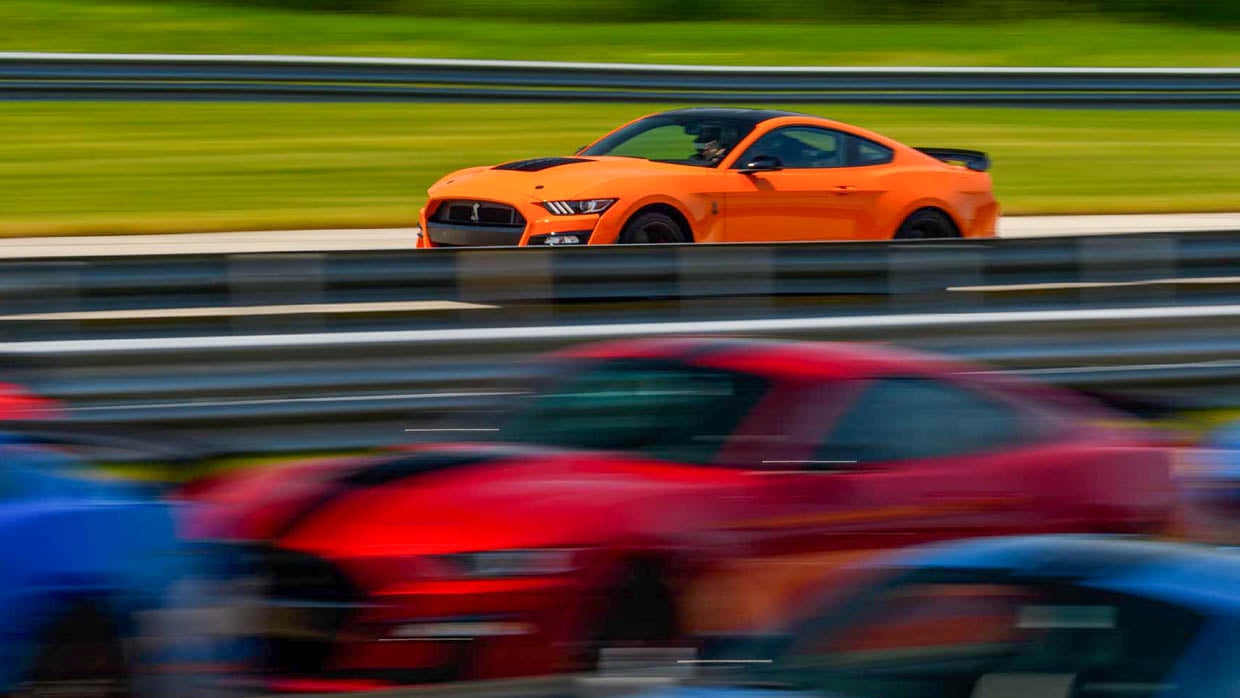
778	358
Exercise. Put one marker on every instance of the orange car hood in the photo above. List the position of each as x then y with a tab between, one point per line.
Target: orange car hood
558	182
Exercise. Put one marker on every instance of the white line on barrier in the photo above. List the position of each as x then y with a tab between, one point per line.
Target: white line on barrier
252	311
1122	367
1070	285
619	330
444	429
284	400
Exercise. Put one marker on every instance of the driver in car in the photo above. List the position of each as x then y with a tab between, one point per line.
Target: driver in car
712	143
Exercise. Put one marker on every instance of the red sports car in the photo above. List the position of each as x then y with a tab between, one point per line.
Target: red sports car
651	492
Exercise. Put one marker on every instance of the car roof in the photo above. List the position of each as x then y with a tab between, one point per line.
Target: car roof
778	358
1198	576
751	116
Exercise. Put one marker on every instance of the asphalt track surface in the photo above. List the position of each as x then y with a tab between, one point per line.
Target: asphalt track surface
402	238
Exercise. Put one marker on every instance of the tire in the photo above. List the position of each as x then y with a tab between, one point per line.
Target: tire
652	228
927	224
79	656
638	616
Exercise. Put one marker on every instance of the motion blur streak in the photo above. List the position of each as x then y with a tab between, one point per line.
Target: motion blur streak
513	392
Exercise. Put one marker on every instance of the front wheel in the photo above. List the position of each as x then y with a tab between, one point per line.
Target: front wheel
927	224
652	228
80	656
636	626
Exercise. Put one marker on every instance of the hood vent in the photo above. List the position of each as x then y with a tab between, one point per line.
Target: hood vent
538	164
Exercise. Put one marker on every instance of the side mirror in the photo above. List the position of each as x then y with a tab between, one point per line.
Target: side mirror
762	163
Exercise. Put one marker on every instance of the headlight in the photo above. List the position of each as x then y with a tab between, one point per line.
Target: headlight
578	207
537	562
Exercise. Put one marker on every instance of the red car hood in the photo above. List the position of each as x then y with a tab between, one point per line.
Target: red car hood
457	498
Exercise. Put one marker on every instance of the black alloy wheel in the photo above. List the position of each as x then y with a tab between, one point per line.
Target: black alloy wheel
927	224
652	228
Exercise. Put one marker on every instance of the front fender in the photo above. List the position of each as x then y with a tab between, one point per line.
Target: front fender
696	210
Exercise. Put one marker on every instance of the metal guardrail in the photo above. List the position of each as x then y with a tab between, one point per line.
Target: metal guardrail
339	390
28	76
340	360
170	295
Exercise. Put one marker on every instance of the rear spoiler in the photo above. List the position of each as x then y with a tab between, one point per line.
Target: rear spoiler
973	159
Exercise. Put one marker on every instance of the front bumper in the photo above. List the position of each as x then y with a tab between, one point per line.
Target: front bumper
422	632
540	228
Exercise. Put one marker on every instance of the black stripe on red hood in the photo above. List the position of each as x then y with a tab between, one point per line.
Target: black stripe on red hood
395	467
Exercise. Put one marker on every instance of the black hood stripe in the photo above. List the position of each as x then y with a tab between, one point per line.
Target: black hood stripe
538	164
384	470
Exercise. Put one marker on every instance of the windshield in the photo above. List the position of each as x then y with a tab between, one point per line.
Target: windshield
682	139
661	409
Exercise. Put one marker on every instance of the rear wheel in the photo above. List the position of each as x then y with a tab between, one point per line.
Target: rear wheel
652	228
80	656
927	224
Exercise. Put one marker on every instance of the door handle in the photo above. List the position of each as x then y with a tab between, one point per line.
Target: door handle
844	189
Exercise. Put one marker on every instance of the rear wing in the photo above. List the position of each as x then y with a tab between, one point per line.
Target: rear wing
973	159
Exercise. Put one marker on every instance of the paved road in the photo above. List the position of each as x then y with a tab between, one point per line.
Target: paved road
402	238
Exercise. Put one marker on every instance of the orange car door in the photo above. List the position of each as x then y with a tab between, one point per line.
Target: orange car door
795	184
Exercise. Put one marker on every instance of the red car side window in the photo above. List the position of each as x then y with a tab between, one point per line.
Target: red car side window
909	418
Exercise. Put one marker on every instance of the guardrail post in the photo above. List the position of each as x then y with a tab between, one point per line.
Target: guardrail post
925	275
41	288
725	282
274	292
519	281
1127	269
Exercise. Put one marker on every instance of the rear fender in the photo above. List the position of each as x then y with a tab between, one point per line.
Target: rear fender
893	225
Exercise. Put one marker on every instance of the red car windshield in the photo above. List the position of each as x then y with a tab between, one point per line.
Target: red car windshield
660	409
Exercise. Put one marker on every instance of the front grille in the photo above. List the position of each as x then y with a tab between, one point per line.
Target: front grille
479	213
306	600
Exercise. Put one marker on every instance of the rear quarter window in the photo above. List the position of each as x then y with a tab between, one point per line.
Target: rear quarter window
866	152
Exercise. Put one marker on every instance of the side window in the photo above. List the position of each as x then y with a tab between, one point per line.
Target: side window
665	410
866	152
800	147
907	418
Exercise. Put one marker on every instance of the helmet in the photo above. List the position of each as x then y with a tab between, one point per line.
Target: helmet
710	143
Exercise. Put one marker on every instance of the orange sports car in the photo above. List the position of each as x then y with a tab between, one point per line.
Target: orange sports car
718	175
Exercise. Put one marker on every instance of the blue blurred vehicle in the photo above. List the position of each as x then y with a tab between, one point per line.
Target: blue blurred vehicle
90	572
1029	617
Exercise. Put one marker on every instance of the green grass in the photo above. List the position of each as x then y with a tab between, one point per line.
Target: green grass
99	167
183	26
93	167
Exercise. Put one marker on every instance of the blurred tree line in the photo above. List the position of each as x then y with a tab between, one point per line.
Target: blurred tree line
1207	12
